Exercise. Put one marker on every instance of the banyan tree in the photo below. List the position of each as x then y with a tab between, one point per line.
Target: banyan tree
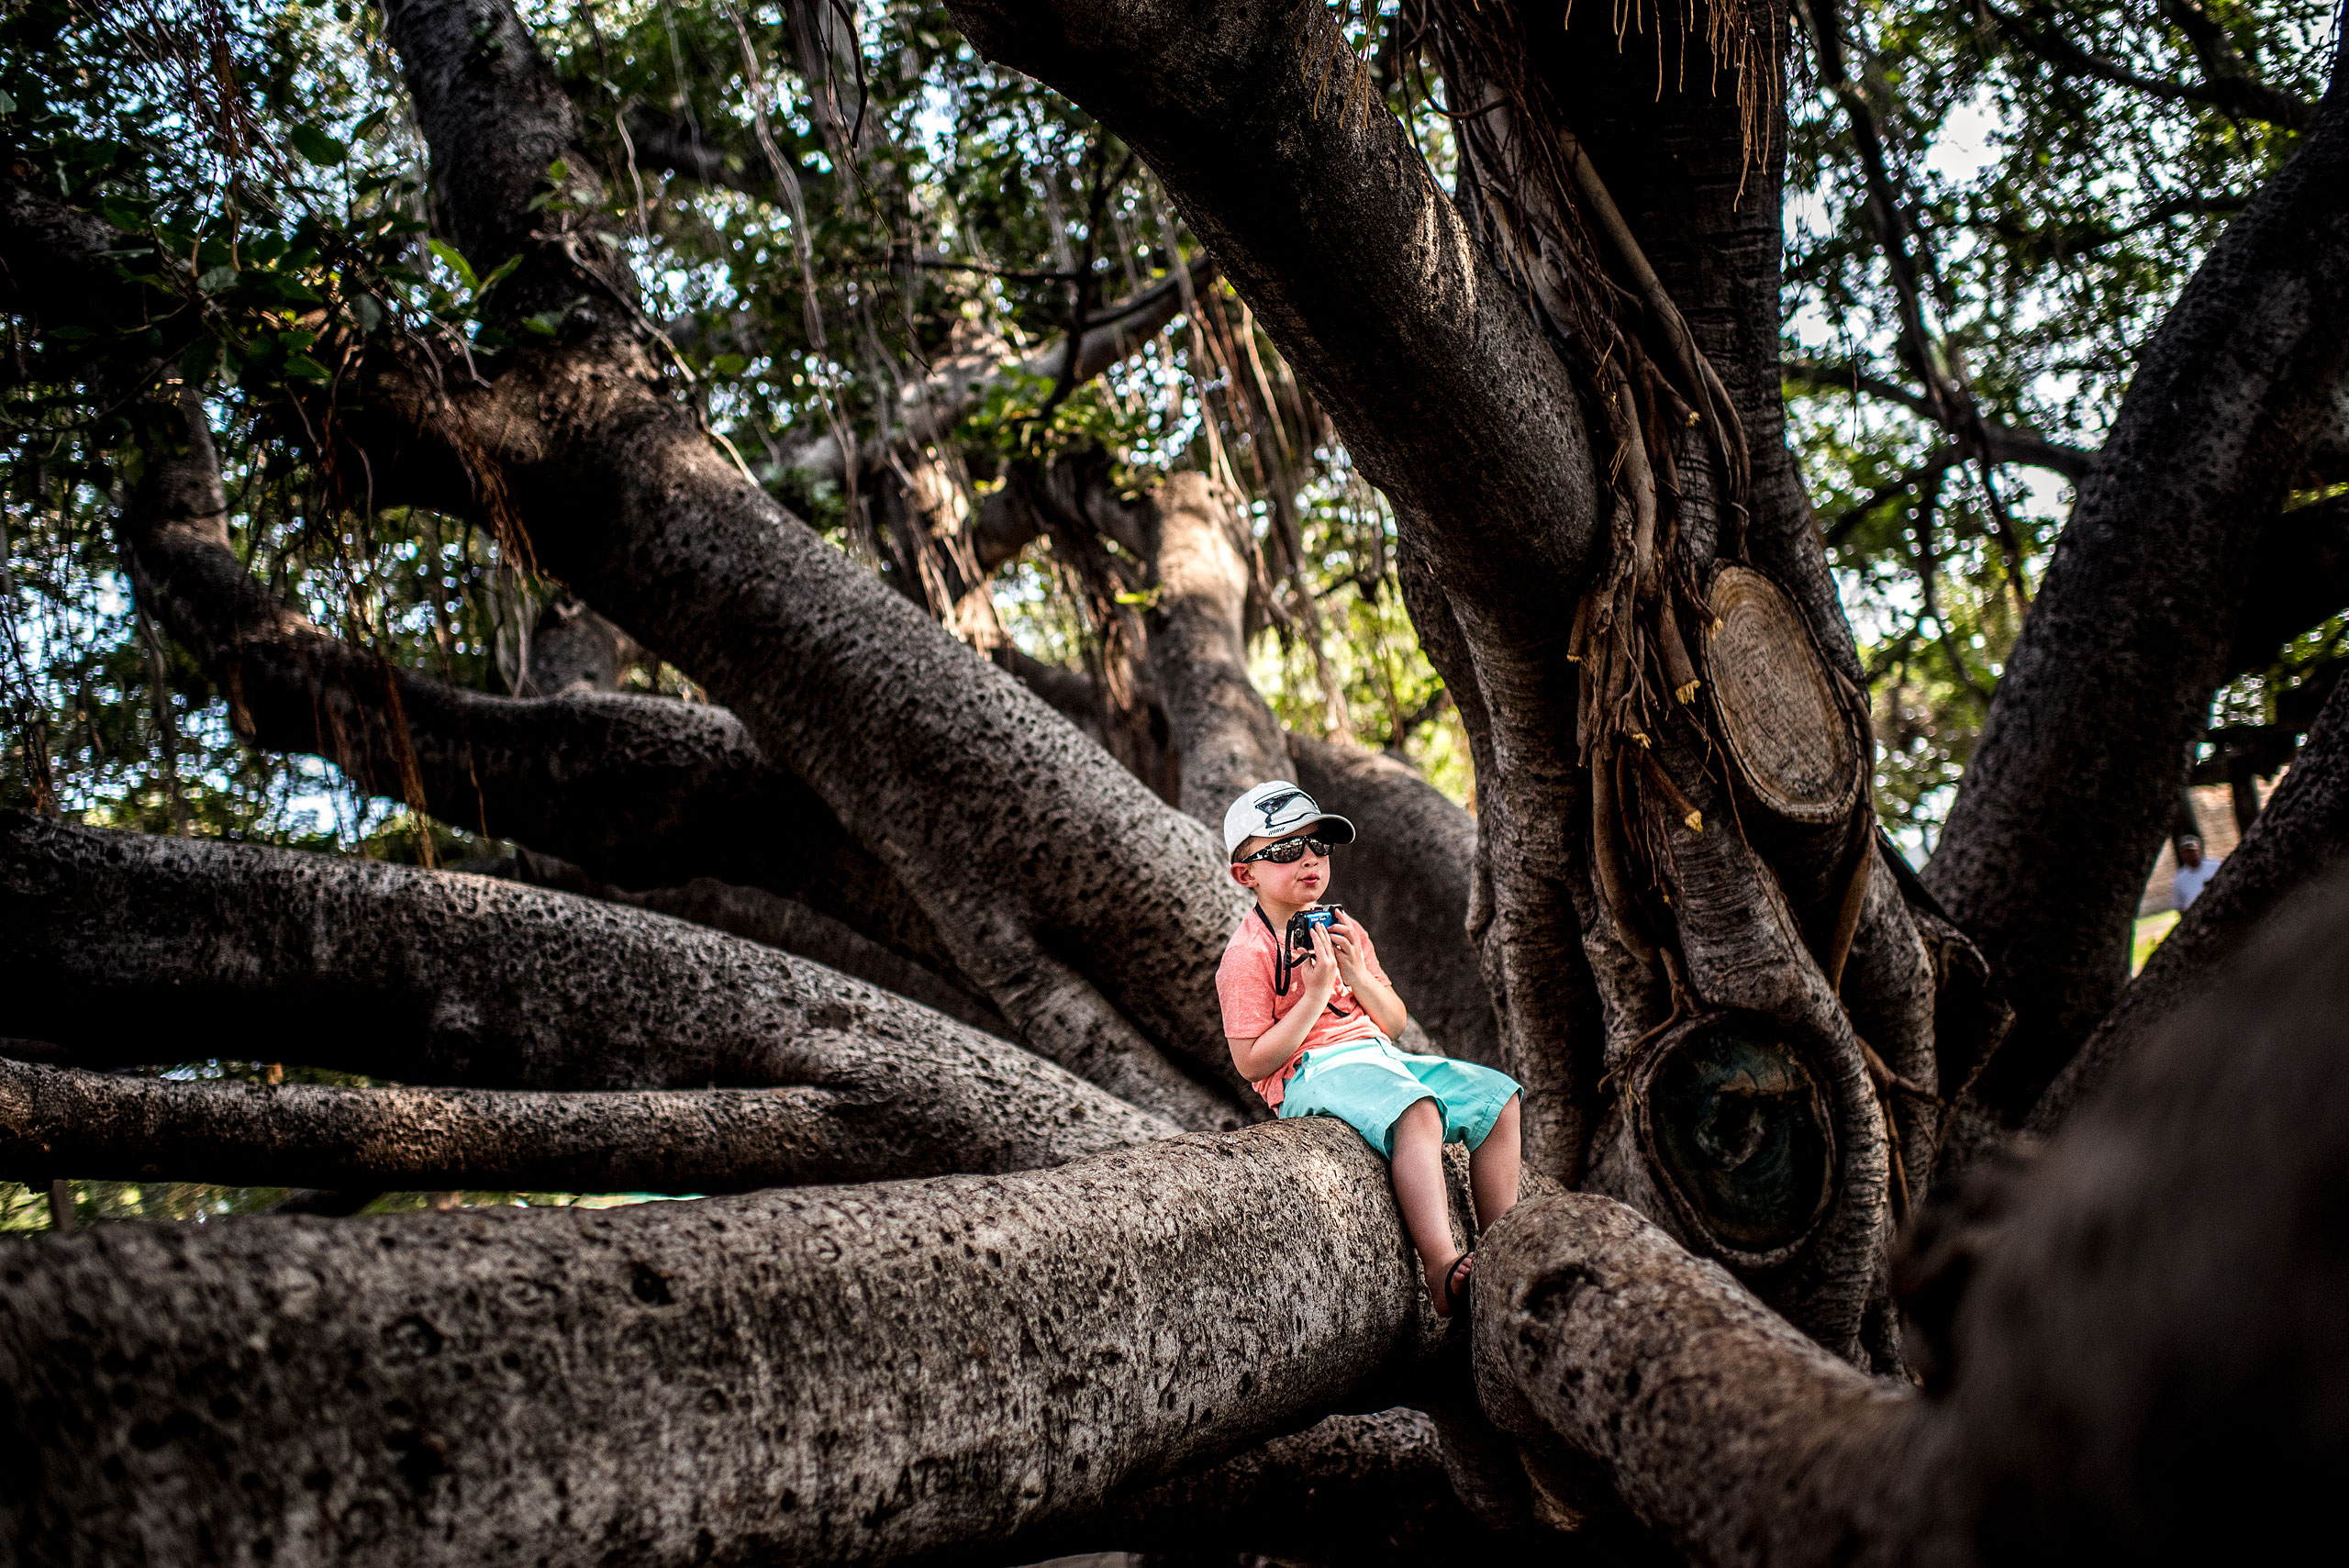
1872	1214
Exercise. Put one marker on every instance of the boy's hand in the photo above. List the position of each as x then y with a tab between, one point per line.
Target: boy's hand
1321	966
1347	942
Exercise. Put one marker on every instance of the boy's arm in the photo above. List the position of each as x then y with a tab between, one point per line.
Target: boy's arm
1352	945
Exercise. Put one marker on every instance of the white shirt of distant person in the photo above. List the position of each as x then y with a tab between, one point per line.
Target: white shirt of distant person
2195	870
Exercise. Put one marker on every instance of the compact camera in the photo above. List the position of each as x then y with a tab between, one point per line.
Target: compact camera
1301	926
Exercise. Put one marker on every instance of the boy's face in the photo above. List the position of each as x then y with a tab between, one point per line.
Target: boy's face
1305	880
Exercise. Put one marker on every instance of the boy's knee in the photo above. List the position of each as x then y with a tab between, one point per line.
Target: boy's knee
1423	1120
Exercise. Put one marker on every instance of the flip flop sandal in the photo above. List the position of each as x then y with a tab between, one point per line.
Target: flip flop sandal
1457	1281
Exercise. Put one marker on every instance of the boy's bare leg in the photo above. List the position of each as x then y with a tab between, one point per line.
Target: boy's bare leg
1493	1169
1418	1192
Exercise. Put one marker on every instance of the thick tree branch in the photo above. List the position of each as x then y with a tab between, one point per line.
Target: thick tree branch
433	977
1364	1491
848	1375
1227	737
2300	836
643	790
1740	1441
861	1125
795	927
2077	767
2156	1304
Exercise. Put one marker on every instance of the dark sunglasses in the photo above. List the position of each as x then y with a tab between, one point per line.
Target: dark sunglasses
1287	850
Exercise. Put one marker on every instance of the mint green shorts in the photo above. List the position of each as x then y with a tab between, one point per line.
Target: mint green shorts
1368	1085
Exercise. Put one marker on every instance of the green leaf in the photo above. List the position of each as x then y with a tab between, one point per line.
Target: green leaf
368	311
729	364
368	126
499	275
7	105
217	279
455	261
306	368
318	147
544	322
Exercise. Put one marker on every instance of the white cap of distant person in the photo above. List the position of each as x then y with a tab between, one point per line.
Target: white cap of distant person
1277	808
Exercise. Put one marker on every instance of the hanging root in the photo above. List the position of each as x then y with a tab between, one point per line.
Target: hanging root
1677	667
1607	856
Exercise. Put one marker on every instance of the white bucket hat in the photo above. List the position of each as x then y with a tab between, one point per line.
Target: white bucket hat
1275	808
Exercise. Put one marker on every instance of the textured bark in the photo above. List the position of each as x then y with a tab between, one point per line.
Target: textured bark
2064	805
1362	1491
830	1374
1744	948
433	977
2151	1362
1734	1437
875	1117
2147	1363
569	648
1091	917
777	922
2301	836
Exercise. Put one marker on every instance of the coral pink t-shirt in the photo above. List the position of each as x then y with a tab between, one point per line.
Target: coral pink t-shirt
1244	982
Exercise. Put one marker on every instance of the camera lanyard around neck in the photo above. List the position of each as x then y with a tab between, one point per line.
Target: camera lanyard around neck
1283	968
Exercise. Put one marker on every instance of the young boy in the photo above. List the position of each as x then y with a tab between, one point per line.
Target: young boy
1314	1033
